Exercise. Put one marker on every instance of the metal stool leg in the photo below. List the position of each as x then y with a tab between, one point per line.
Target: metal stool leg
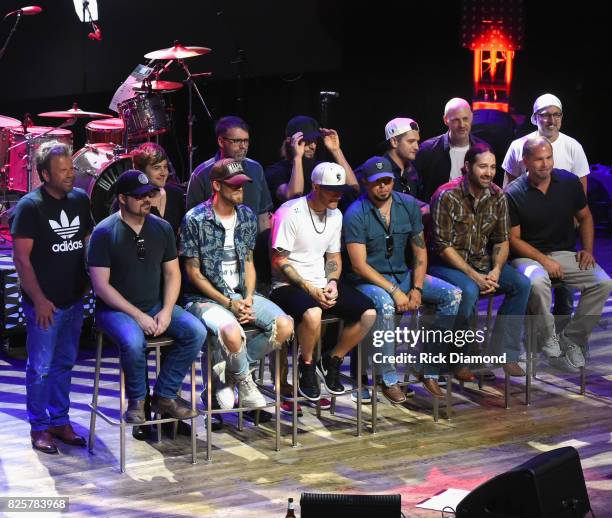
121	418
374	399
209	389
96	389
277	395
449	396
157	369
582	381
193	408
359	388
294	376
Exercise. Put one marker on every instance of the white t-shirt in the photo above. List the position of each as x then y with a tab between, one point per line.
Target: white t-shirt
231	275
294	230
567	154
457	157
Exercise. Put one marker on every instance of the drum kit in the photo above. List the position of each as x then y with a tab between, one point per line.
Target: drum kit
108	139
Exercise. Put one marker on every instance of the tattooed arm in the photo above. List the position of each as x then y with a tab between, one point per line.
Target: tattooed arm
499	255
419	254
280	262
333	266
250	276
199	281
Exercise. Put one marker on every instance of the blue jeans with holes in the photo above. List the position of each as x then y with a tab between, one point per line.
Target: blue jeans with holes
510	316
443	295
215	316
186	330
52	354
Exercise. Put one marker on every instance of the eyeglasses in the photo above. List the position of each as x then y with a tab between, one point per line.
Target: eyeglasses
140	197
389	245
238	141
546	115
140	247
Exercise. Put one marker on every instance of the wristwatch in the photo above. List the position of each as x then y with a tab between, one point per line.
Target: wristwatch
419	289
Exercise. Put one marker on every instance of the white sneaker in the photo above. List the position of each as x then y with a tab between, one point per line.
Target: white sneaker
223	387
248	392
573	352
551	347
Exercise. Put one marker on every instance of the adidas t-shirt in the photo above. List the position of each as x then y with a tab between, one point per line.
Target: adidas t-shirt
58	228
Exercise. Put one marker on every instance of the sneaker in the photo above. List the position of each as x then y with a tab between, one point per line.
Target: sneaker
328	369
573	352
323	402
264	417
286	407
366	396
308	384
394	394
248	393
551	347
223	387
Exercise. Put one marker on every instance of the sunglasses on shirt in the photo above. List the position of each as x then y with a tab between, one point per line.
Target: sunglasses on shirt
140	247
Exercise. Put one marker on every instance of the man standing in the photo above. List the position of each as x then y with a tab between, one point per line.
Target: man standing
470	217
290	178
306	262
440	159
50	228
543	206
131	255
217	242
233	140
378	227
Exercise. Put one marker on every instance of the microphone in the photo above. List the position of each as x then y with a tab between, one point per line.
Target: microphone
26	11
96	34
334	95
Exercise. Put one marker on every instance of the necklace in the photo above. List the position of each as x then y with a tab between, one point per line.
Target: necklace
313	223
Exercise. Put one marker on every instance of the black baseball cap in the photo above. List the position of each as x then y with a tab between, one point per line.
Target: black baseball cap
307	125
375	168
230	171
134	182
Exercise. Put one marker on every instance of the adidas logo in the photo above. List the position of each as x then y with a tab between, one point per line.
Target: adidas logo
65	228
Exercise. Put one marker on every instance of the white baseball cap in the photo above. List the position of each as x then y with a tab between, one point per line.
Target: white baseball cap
398	126
544	101
330	176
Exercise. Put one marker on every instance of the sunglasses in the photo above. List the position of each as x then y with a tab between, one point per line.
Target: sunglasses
140	197
389	245
140	247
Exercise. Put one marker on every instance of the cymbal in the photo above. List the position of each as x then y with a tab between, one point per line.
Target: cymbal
8	122
158	86
177	52
75	112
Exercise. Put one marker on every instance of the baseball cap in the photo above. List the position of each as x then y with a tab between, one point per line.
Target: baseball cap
375	168
543	102
329	176
230	171
307	125
134	182
400	125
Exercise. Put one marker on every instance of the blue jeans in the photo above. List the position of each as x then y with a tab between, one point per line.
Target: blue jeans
188	334
51	357
216	316
510	317
443	295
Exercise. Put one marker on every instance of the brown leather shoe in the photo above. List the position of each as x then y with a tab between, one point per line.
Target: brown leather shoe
513	369
464	374
431	385
135	412
175	408
394	394
43	441
67	435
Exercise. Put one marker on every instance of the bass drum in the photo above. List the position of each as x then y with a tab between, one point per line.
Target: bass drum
96	169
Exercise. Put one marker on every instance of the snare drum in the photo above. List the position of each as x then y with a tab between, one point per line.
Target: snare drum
105	131
144	115
96	169
22	150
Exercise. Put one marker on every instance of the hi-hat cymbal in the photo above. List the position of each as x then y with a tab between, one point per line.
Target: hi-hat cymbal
157	86
74	112
9	122
177	52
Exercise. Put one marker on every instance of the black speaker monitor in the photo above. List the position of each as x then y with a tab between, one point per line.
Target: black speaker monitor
323	505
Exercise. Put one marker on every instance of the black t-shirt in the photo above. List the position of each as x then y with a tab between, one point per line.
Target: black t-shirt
280	173
547	220
58	228
113	245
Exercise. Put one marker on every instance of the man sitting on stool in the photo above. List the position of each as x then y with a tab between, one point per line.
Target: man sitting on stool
306	264
131	254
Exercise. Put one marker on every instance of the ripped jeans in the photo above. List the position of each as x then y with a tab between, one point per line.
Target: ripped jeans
442	294
216	316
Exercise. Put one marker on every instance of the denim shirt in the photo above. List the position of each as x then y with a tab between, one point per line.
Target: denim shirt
203	237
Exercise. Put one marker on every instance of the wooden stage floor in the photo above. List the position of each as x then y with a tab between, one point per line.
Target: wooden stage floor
410	454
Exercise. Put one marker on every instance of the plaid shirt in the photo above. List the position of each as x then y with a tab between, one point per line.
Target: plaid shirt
469	224
203	237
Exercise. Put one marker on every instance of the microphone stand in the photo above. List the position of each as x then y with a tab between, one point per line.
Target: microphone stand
3	50
190	117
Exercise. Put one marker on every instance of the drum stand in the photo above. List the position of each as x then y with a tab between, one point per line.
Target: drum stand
190	117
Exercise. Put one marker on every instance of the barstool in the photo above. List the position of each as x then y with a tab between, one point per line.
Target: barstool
152	343
249	331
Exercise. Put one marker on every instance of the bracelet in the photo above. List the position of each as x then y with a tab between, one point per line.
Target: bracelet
393	289
419	289
229	303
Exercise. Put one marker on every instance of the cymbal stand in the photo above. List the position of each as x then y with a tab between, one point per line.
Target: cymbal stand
3	49
190	117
